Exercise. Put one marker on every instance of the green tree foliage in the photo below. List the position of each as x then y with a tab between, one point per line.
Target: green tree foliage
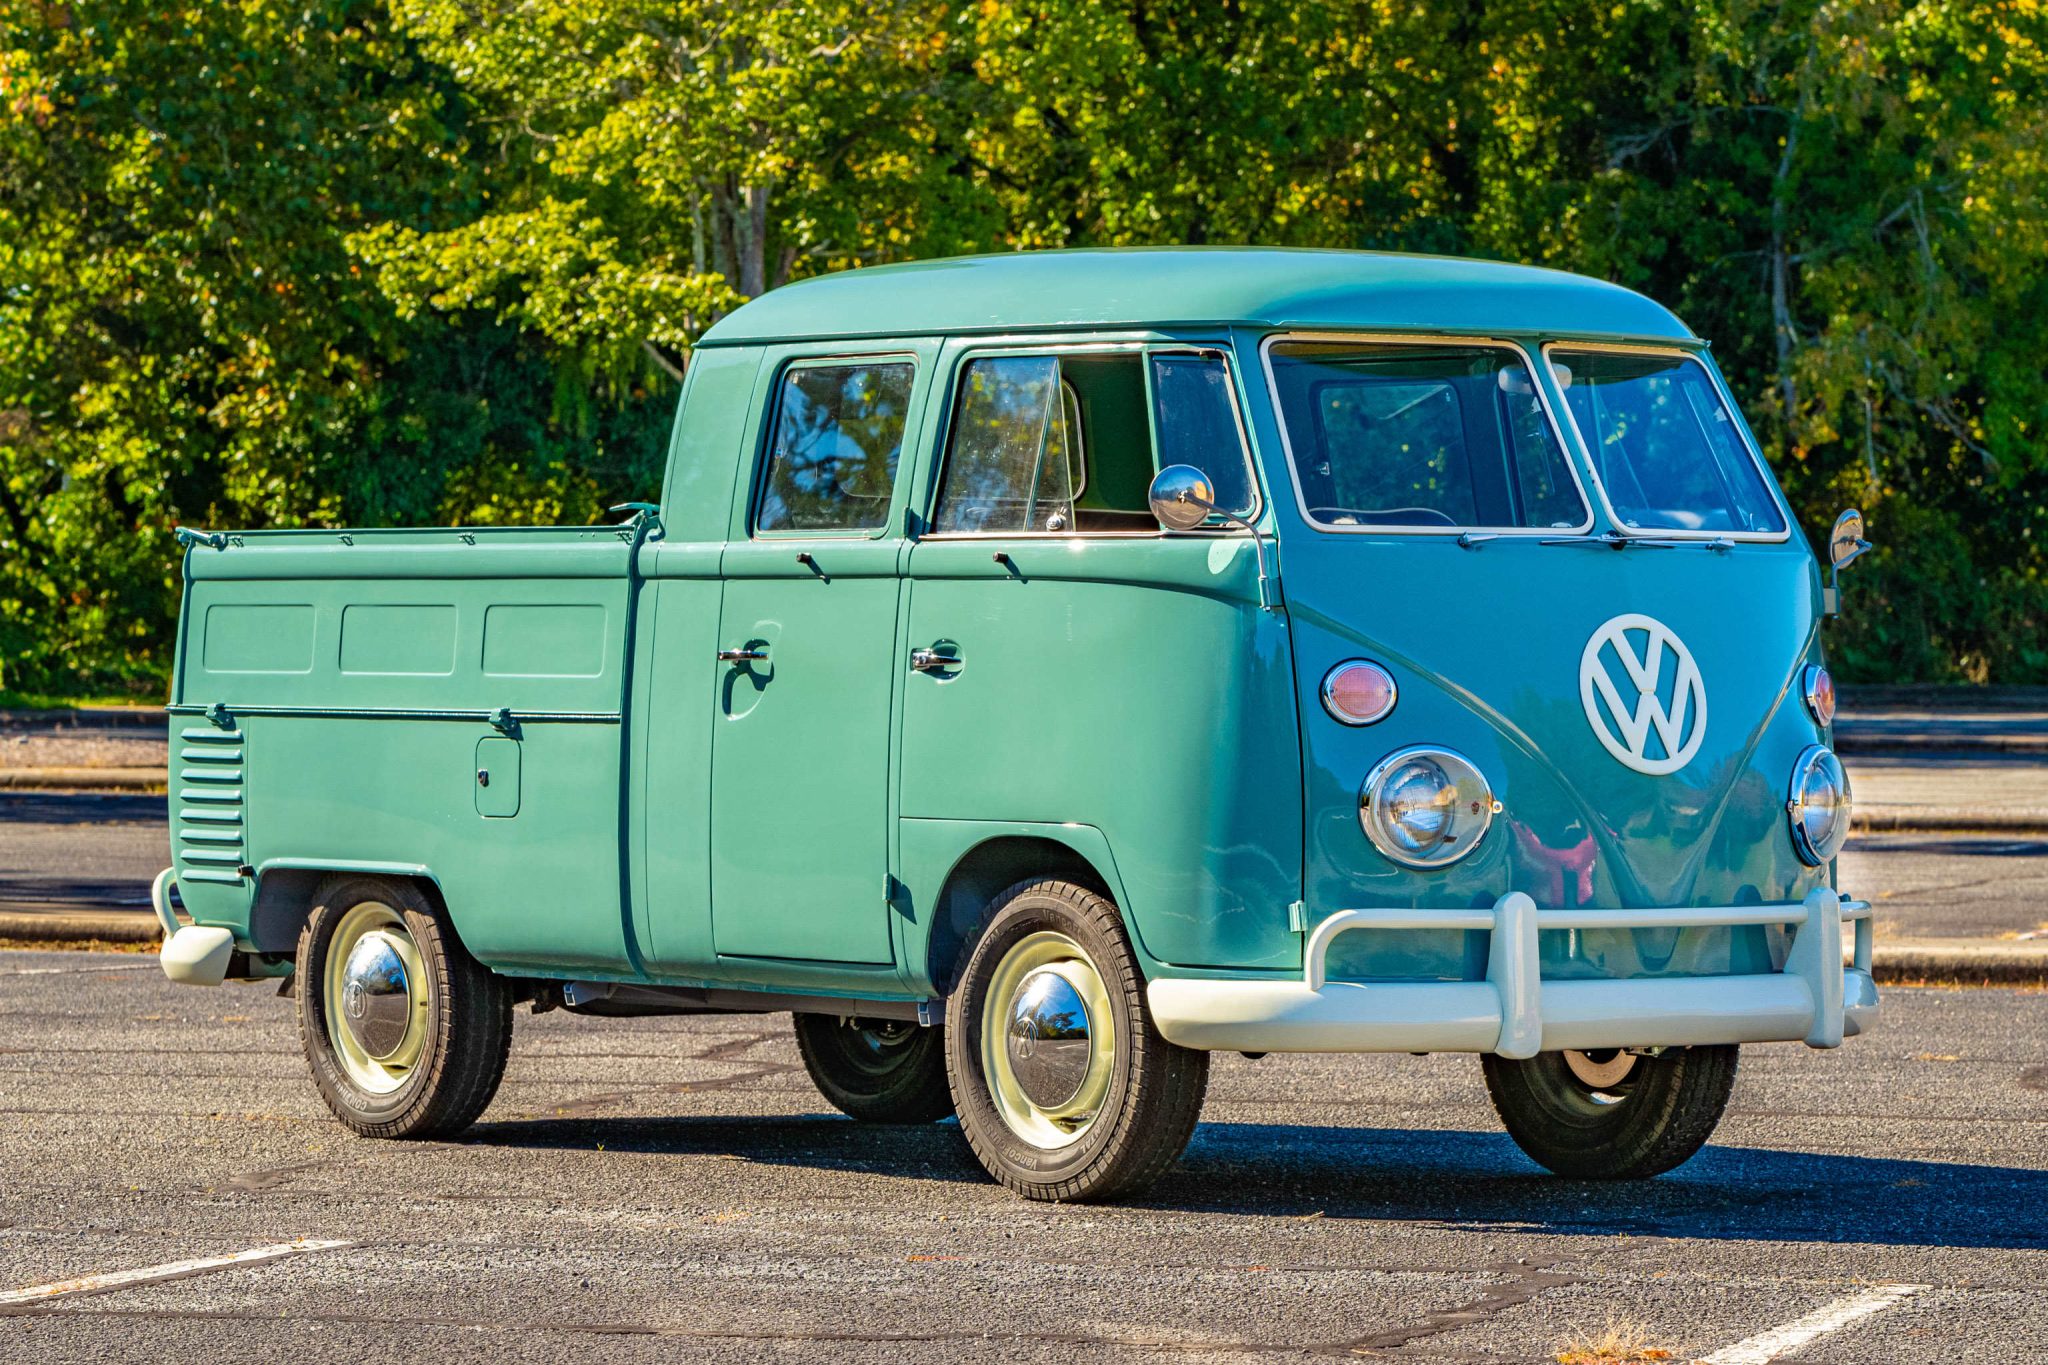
184	336
442	259
666	161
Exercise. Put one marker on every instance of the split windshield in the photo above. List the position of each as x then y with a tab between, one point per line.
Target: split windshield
1428	437
1665	446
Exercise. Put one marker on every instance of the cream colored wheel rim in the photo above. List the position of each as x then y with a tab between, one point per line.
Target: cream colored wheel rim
1601	1071
375	922
1036	961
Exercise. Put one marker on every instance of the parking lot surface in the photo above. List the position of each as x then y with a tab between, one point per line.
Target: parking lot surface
674	1189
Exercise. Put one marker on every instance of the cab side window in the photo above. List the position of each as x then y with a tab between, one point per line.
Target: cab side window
1014	464
838	435
1067	444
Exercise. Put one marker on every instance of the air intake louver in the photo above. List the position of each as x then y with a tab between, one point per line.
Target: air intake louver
209	805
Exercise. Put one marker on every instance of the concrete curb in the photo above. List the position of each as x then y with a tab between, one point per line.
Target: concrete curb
1968	961
67	926
1938	821
1919	746
87	717
87	779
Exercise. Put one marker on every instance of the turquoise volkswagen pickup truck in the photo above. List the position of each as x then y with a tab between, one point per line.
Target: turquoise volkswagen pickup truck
1044	671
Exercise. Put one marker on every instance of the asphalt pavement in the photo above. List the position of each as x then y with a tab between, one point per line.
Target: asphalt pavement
674	1189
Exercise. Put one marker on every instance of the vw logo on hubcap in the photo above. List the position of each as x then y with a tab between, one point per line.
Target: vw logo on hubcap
1643	694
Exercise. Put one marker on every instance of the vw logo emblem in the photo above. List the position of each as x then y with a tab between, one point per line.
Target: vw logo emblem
1643	695
352	1002
1027	1039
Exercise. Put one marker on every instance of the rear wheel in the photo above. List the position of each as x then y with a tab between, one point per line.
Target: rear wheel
1064	1088
405	1032
1612	1114
877	1070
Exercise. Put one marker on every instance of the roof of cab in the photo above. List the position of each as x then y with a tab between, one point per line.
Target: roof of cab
1152	287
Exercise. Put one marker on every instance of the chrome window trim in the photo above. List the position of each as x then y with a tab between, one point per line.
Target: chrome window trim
765	449
1564	447
1141	348
1715	383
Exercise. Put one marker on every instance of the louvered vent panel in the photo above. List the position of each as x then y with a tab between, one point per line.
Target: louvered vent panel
209	805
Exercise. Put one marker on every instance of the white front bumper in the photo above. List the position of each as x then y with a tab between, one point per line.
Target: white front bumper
1515	1013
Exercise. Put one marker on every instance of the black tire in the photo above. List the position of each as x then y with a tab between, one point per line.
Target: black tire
874	1070
463	1032
1655	1119
1154	1089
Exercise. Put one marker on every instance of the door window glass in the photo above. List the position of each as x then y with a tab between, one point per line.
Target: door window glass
1068	443
1431	437
838	433
1195	415
1016	450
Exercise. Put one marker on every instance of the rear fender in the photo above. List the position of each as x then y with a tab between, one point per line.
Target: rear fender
285	889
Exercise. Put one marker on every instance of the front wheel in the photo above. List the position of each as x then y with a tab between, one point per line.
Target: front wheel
406	1033
876	1070
1612	1114
1064	1088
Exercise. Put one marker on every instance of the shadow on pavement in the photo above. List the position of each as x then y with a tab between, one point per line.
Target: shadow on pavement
1478	1181
826	1142
1482	1181
81	808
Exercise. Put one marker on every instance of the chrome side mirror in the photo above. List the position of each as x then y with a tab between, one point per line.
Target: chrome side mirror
1846	542
1845	545
1182	497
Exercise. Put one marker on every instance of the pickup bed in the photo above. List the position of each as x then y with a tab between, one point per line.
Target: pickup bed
360	698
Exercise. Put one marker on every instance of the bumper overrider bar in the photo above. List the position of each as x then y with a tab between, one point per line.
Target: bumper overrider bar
193	954
1516	1013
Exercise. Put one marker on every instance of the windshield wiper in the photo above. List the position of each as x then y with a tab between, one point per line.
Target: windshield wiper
1615	540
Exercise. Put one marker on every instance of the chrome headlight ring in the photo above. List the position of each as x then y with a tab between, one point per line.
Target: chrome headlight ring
1425	806
1817	804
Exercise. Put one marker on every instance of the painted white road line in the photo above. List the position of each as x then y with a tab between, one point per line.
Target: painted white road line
80	971
1768	1346
175	1270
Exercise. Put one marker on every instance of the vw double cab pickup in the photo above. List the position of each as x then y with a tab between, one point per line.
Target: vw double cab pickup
1045	671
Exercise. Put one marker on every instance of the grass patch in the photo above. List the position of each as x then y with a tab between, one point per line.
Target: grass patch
77	945
1615	1342
11	700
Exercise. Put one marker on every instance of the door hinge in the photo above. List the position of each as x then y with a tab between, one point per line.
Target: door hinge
1297	918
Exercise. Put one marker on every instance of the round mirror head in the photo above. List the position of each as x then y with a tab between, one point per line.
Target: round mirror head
1846	541
1181	497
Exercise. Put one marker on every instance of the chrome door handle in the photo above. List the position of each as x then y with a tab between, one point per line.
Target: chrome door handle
741	656
931	661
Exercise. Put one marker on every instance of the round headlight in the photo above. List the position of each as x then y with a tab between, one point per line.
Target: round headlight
1358	693
1425	807
1819	688
1818	804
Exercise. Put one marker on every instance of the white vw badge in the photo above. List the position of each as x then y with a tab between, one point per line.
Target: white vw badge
1649	698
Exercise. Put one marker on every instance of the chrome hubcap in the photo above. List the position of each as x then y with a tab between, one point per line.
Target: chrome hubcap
1048	1039
376	996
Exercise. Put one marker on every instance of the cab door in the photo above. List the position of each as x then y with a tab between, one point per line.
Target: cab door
806	666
